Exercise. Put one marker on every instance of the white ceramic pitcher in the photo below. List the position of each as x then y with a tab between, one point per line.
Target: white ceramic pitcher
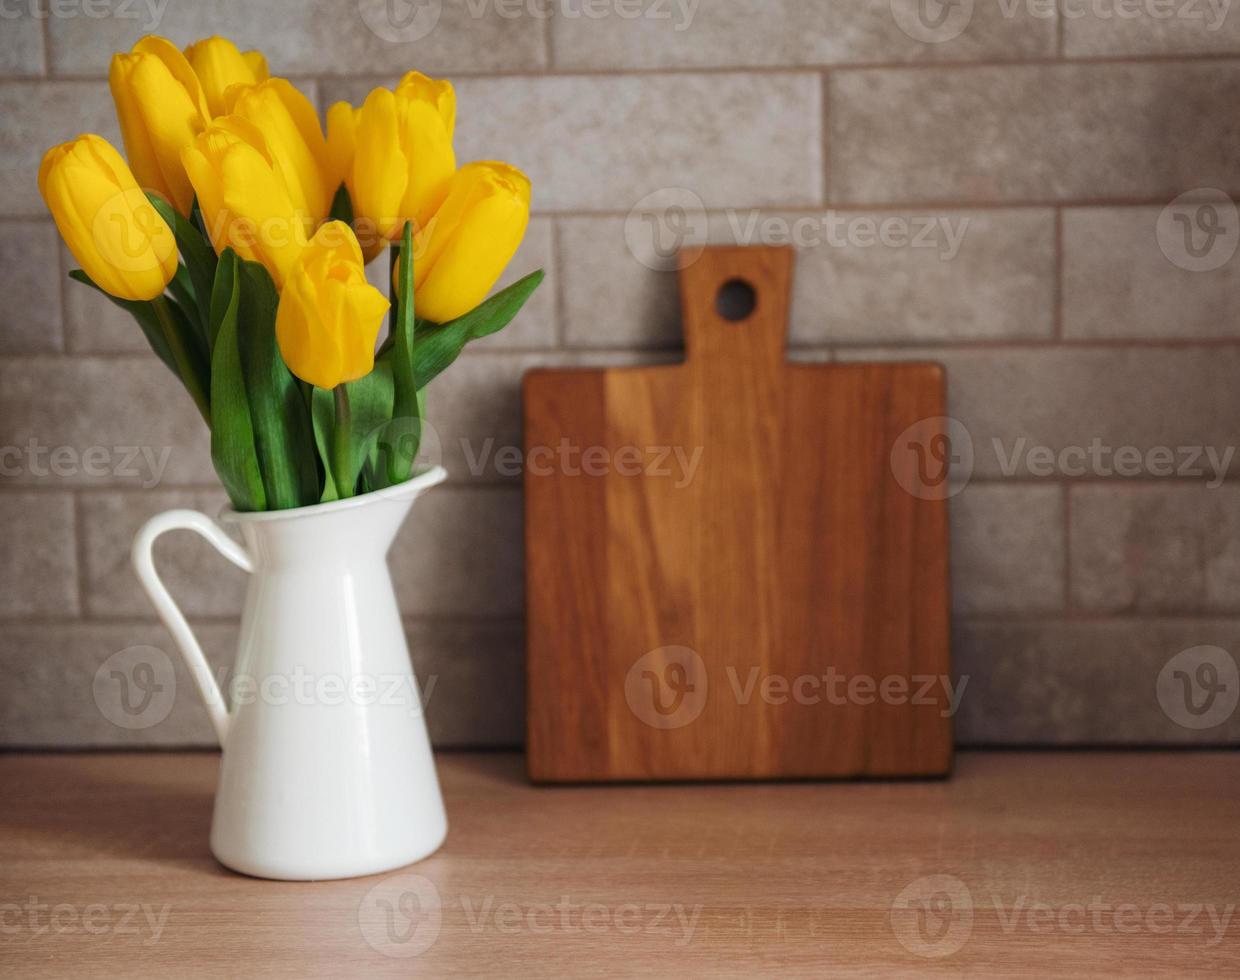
327	769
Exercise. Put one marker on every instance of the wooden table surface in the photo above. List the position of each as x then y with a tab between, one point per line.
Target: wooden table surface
1029	864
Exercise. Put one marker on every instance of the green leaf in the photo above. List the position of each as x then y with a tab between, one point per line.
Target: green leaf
405	406
398	439
223	291
342	206
437	345
370	399
183	290
199	256
283	432
232	432
195	346
144	314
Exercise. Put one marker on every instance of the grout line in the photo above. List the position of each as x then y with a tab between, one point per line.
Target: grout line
922	346
45	33
860	207
1067	548
79	553
1050	617
507	485
138	622
559	303
1027	617
556	71
825	113
548	39
1057	282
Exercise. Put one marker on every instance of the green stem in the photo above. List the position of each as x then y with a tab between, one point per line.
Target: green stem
342	449
185	367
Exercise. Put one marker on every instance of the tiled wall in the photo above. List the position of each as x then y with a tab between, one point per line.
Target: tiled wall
998	188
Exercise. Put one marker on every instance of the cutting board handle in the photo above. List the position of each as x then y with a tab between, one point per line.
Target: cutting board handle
715	290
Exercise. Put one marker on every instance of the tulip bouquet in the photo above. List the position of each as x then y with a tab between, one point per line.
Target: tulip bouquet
236	237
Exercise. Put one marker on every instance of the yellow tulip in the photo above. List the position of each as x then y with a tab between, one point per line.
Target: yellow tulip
161	107
329	315
244	199
395	155
294	138
115	234
462	252
219	64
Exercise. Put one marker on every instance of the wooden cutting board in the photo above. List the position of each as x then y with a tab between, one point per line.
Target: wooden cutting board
737	567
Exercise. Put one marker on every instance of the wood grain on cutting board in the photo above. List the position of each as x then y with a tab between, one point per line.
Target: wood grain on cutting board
735	583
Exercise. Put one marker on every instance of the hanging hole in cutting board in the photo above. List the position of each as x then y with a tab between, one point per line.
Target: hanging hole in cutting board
735	300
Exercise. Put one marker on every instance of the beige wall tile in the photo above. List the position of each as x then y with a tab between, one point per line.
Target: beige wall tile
37	116
38	564
94	324
723	33
50	697
200	580
604	143
475	410
110	421
1122	407
1127	273
30	284
535	326
1040	133
1152	549
1007	549
860	276
21	42
461	553
1066	683
1180	27
471	676
307	37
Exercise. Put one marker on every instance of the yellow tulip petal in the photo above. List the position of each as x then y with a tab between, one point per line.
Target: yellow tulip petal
329	316
108	224
380	167
218	64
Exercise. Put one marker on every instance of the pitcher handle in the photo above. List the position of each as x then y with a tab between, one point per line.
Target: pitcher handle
144	565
